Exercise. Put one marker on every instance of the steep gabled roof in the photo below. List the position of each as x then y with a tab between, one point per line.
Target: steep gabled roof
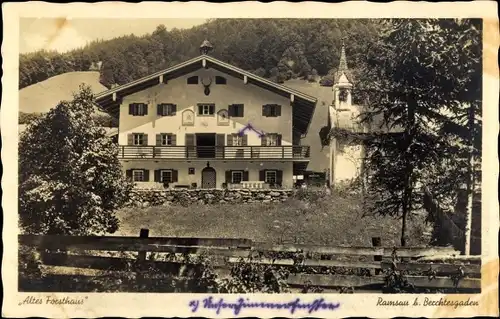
303	104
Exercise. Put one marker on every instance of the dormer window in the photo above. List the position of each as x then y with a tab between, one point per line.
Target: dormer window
220	80
138	109
192	80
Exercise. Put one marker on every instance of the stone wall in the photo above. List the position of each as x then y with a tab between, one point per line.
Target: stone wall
146	198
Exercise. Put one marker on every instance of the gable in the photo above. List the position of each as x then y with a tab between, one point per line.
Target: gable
303	105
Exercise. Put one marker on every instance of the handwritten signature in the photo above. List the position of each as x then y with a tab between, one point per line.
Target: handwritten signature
237	306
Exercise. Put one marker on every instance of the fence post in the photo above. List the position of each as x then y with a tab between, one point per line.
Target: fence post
377	242
141	258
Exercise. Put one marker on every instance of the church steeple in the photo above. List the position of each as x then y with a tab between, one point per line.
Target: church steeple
342	86
343	59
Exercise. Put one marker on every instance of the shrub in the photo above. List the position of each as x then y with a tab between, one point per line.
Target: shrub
253	278
29	264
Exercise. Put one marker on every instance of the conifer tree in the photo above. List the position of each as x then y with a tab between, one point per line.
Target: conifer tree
419	81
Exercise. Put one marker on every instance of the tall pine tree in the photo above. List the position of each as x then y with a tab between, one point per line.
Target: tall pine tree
418	82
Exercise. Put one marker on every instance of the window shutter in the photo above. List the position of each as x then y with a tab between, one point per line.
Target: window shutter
158	139
229	140
228	177
200	109
131	109
157	175
219	139
128	173
278	110
145	139
241	110
211	109
278	139
265	109
245	176
130	139
174	109
175	176
146	175
245	140
159	110
145	109
174	139
262	175
263	140
189	139
279	177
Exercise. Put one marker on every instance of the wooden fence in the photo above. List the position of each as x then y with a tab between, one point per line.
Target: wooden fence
363	268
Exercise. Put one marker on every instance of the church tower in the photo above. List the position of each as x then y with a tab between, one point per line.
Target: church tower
342	87
341	116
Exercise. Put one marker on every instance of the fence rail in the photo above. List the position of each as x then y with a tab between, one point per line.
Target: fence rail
86	255
291	152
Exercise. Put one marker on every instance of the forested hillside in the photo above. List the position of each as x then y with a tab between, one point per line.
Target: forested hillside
279	49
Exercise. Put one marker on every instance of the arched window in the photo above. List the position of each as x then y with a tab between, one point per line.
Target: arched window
220	80
192	80
343	95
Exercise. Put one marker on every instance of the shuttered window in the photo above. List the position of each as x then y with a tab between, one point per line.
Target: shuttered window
238	140
138	109
236	110
166	139
271	139
272	177
166	176
166	109
271	110
140	175
236	177
206	109
138	139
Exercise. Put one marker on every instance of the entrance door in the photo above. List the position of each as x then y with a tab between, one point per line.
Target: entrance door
208	178
205	143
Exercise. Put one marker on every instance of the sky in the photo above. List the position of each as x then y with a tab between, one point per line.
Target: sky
62	35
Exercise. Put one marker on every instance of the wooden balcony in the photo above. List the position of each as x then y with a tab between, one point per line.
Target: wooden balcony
291	152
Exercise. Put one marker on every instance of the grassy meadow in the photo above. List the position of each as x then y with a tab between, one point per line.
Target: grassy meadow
338	220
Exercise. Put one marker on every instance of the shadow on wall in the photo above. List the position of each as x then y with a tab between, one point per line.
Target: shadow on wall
323	135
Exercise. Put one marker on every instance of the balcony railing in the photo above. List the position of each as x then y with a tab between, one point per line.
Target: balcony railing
292	152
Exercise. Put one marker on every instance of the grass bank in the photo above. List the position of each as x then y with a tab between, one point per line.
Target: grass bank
309	218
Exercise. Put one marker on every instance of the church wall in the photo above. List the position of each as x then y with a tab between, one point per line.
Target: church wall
348	162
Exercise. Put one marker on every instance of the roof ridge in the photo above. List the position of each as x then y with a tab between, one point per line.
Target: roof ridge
214	60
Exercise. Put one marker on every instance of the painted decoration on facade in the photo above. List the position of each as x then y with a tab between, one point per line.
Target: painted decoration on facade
222	118
187	118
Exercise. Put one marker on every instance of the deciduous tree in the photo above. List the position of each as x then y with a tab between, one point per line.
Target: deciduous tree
71	181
